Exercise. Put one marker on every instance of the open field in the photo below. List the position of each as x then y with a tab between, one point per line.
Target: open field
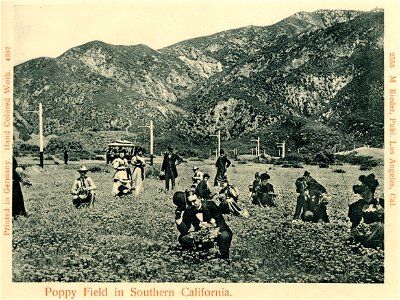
133	240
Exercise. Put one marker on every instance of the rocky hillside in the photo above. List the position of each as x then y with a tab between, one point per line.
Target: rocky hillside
319	72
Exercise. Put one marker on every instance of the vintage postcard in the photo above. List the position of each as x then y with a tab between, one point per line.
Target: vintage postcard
200	149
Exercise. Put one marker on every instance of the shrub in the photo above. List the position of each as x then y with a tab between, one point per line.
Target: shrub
324	157
352	158
365	167
298	157
79	155
188	152
28	149
203	155
152	171
96	169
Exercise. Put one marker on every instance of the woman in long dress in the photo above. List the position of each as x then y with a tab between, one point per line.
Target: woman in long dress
138	163
18	204
122	183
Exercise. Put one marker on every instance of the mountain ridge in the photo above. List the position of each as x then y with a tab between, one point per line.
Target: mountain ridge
320	67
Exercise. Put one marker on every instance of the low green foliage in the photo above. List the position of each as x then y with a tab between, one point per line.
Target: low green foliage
134	239
352	158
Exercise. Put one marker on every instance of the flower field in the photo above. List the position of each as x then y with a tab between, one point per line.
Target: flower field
135	239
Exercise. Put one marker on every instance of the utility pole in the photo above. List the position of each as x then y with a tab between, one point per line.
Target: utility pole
258	148
219	142
282	146
40	113
151	127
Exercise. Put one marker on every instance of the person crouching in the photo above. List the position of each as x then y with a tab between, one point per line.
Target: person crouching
203	215
83	189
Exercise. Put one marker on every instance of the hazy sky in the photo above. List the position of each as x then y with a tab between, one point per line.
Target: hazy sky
42	29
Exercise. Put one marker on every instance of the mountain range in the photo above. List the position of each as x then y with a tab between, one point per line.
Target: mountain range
314	80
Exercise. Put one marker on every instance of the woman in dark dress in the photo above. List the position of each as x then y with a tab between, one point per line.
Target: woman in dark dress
18	205
367	214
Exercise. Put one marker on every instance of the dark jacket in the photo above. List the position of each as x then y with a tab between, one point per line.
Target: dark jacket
18	204
203	191
222	164
169	164
314	187
357	212
210	211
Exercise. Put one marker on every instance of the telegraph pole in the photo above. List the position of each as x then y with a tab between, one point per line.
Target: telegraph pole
258	148
40	113
282	145
219	142
151	127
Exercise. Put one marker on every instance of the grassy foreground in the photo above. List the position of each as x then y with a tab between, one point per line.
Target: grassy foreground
134	240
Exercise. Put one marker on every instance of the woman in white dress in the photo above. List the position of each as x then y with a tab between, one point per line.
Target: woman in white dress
122	183
138	163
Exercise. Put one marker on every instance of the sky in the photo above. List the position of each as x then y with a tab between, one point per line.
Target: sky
51	28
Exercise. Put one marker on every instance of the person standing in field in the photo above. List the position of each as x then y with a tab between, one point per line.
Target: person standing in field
83	189
222	164
122	183
66	156
18	204
138	163
168	167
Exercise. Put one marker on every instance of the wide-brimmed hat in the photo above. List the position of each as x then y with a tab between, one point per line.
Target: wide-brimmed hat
369	182
206	175
170	147
264	176
83	169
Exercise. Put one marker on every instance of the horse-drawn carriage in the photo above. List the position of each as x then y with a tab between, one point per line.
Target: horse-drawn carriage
114	148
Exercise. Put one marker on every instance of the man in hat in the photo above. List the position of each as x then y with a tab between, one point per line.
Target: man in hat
122	183
367	214
197	175
168	167
83	189
265	194
203	188
222	164
203	215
